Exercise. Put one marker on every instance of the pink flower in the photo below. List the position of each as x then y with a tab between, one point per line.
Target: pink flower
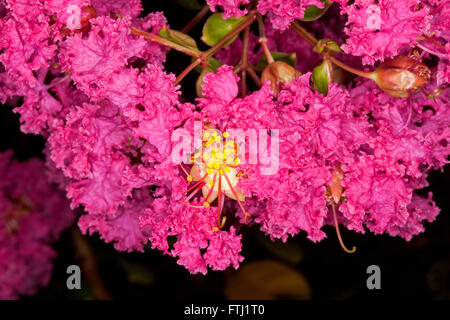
32	215
378	31
230	7
282	12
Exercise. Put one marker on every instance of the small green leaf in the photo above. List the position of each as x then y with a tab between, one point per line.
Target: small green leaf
326	44
189	4
216	28
198	84
322	77
313	12
290	59
178	37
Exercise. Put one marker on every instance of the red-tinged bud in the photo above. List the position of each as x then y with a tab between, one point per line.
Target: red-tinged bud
401	76
335	189
279	73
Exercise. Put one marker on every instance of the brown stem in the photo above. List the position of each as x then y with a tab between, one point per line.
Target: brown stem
167	43
313	41
364	74
263	40
187	70
236	30
243	83
298	29
338	233
199	17
86	258
244	61
254	76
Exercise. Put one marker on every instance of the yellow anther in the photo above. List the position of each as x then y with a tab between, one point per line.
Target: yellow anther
221	172
227	169
206	134
196	155
216	166
237	161
210	164
205	156
215	229
206	204
189	178
214	133
209	171
210	183
226	134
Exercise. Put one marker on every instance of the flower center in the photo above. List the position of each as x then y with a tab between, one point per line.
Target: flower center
215	170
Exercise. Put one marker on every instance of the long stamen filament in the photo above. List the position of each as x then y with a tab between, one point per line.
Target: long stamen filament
219	203
195	185
195	191
246	214
338	232
212	187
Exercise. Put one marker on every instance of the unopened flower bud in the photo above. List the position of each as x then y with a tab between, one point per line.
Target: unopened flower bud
279	73
401	76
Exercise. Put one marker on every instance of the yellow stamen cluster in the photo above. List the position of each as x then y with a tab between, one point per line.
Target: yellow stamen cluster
215	172
218	153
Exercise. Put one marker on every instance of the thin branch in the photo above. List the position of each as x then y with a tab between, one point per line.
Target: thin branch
303	33
198	17
86	258
254	76
167	43
263	40
187	70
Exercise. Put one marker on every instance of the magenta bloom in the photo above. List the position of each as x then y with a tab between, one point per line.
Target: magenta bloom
32	216
150	169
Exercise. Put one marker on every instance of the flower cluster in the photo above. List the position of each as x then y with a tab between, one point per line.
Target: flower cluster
32	216
114	121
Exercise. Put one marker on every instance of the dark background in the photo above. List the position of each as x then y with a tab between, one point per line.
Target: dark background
415	269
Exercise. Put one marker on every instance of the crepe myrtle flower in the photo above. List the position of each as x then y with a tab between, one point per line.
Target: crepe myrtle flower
277	155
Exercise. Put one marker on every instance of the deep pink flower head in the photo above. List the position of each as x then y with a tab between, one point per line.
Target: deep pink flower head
32	215
230	7
24	37
379	30
282	12
198	244
130	8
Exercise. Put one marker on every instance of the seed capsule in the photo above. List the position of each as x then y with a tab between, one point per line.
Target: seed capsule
278	73
401	76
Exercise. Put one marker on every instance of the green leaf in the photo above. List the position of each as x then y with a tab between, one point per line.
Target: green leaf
313	12
290	59
199	82
189	4
326	44
322	77
217	28
178	37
